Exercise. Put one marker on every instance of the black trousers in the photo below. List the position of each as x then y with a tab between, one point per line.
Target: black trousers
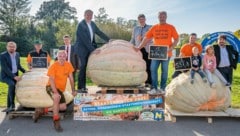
227	73
148	64
82	72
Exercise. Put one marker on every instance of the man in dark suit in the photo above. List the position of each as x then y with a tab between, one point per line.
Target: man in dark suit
85	44
226	57
10	64
72	57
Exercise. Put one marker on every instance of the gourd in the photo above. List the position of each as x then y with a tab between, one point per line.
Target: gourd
183	96
117	64
31	90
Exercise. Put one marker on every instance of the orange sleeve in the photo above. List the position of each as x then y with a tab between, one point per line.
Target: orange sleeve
51	71
174	34
29	59
200	48
48	58
149	33
71	69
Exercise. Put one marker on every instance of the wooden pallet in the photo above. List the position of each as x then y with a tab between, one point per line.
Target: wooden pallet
119	90
15	114
230	112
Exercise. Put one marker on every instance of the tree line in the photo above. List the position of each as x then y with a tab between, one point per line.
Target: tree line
53	19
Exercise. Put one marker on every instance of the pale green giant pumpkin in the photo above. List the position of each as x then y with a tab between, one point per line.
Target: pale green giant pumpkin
183	96
117	64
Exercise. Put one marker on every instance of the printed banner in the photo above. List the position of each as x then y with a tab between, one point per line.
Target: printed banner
118	107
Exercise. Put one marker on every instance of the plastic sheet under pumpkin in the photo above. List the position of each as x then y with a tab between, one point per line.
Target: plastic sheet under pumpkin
118	64
183	96
31	90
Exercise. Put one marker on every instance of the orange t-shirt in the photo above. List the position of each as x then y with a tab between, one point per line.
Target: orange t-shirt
60	74
162	35
186	49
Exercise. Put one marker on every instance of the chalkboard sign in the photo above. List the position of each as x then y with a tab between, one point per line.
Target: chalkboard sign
184	63
158	52
39	62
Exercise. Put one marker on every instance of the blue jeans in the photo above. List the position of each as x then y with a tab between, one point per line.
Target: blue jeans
11	92
199	71
164	75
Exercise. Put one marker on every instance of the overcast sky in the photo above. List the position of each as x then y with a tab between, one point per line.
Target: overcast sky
200	16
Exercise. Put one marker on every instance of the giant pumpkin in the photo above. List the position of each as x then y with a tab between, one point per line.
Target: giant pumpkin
117	64
183	96
31	90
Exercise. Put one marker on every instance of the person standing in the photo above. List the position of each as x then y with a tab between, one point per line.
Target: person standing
163	34
58	73
37	52
226	58
10	65
85	44
137	37
72	57
186	50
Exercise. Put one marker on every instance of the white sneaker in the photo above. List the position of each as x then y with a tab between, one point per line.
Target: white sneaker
160	91
153	91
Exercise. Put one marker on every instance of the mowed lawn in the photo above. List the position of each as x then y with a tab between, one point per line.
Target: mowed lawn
235	87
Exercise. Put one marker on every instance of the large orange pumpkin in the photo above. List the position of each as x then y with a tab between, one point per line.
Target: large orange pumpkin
117	64
183	96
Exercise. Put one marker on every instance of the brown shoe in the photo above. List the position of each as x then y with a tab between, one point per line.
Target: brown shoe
38	113
57	126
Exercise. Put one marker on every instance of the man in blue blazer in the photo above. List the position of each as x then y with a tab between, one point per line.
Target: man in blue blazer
85	44
10	64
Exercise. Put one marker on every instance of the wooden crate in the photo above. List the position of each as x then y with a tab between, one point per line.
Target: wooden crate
14	114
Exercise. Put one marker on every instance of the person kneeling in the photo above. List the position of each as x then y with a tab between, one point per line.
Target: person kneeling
58	74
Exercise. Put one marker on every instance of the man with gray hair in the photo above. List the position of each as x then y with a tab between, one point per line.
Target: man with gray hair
85	44
10	65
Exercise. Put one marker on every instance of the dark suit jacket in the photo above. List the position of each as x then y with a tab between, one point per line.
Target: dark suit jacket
73	57
83	45
6	65
232	55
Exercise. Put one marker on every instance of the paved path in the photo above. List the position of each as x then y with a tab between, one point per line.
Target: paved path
185	126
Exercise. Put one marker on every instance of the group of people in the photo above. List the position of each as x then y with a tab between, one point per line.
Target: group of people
219	59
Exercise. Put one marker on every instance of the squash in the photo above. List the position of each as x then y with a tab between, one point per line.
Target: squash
183	96
31	90
117	64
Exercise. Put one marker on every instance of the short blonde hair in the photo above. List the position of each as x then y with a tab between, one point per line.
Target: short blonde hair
194	49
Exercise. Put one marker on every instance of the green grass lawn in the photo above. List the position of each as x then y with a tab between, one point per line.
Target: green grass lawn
235	87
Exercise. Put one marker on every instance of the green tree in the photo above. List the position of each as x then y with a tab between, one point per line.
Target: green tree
11	12
56	9
65	27
101	17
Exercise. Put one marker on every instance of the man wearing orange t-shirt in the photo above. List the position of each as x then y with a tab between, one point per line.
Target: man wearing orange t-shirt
186	50
163	34
58	74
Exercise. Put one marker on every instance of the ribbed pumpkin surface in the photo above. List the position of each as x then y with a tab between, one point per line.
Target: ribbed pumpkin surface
117	65
183	96
31	90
